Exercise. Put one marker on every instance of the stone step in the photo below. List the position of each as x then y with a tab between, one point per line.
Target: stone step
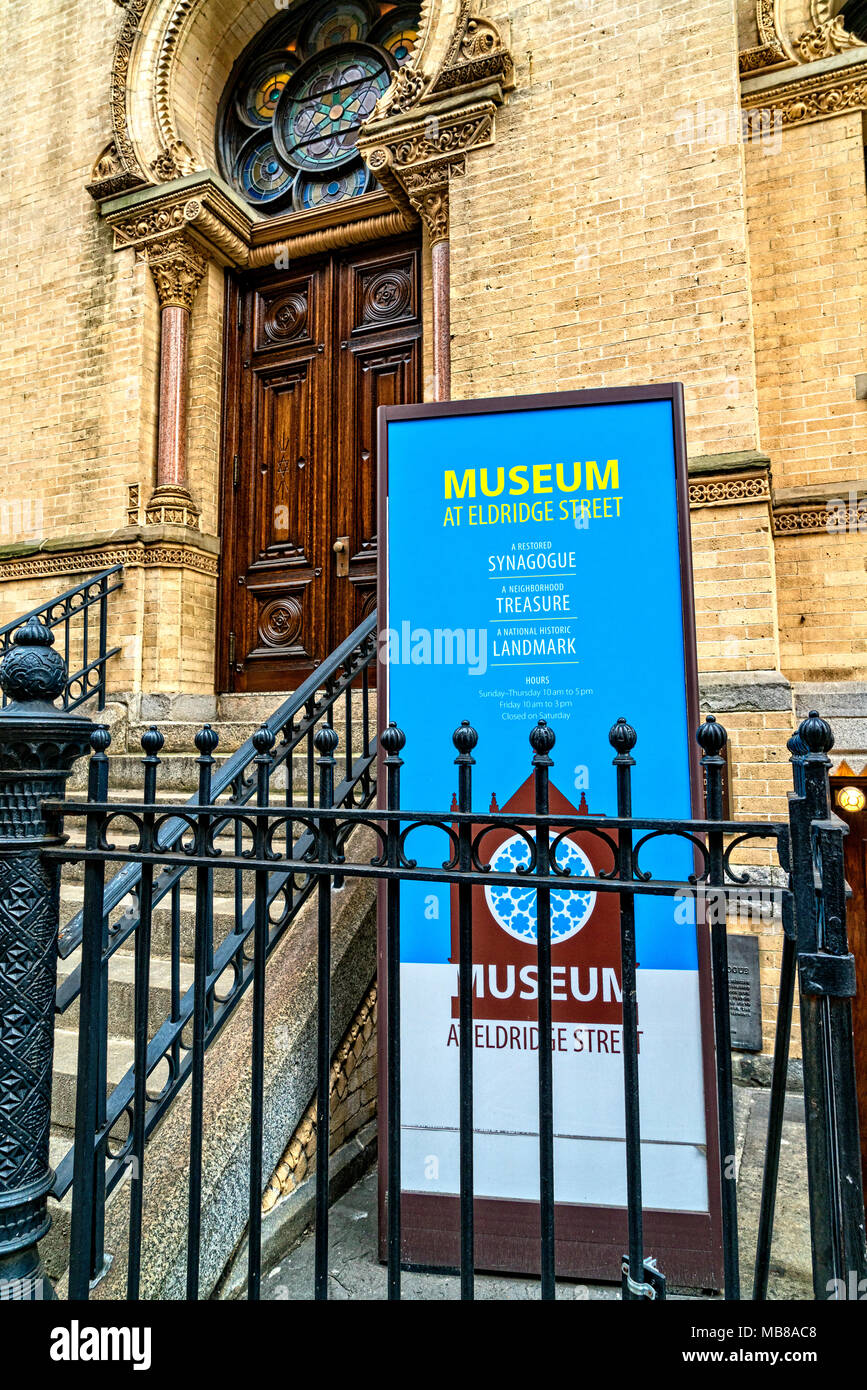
224	878
72	898
121	991
119	1061
178	775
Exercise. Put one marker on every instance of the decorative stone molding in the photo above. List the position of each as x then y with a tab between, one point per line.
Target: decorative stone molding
835	507
173	162
850	517
729	490
811	98
827	35
129	173
139	553
423	127
329	238
108	177
178	268
771	51
199	210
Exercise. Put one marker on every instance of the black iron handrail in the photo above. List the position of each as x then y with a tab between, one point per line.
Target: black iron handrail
294	723
89	678
360	645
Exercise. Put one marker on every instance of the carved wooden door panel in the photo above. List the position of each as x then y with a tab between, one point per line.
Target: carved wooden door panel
311	354
379	327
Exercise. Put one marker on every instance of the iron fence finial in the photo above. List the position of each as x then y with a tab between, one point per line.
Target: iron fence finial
465	739
712	737
32	672
152	741
816	733
542	739
393	740
326	741
622	738
206	740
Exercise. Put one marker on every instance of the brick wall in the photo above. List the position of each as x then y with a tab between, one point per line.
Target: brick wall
352	1104
594	244
807	204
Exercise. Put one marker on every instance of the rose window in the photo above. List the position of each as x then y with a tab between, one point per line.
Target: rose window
288	137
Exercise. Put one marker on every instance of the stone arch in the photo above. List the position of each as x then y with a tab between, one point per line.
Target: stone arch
172	61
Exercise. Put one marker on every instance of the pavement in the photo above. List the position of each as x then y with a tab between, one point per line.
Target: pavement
356	1274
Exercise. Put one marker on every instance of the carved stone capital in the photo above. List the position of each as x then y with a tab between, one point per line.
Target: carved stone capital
433	208
178	268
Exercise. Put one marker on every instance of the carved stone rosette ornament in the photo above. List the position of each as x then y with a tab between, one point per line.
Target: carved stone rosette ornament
39	746
178	267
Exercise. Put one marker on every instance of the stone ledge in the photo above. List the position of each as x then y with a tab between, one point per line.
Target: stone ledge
735	692
744	461
285	1224
818	493
125	535
833	699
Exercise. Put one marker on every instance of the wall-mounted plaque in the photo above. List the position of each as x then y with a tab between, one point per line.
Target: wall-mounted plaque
745	993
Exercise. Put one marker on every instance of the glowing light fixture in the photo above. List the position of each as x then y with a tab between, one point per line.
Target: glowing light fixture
851	799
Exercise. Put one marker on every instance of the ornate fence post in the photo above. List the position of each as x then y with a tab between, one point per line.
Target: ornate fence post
39	745
826	973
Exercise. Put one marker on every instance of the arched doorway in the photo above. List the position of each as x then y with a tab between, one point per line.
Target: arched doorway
313	348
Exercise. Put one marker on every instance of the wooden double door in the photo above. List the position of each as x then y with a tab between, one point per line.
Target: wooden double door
312	352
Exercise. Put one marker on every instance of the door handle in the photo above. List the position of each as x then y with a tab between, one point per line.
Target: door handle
341	550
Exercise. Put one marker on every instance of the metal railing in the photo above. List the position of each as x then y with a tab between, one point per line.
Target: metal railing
307	845
338	685
71	613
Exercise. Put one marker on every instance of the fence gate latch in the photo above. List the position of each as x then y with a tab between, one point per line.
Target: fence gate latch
652	1286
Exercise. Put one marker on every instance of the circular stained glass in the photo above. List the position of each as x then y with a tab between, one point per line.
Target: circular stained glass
260	174
343	21
514	906
398	33
347	183
260	92
317	120
304	86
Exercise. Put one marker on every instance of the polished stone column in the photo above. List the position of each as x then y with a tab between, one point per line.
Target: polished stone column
178	268
434	209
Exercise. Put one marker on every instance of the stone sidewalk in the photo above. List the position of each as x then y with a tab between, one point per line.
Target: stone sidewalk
357	1274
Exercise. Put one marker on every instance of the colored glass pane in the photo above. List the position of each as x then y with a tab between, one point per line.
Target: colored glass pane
261	175
327	101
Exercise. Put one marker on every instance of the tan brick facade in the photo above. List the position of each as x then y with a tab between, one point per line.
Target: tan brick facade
614	229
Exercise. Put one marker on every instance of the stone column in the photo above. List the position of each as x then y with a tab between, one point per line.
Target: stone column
178	267
434	209
39	745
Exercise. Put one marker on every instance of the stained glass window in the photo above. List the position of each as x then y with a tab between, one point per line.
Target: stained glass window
289	121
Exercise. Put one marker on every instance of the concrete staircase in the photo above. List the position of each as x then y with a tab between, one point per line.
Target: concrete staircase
235	718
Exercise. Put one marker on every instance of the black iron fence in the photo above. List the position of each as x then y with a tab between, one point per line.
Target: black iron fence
307	849
80	617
